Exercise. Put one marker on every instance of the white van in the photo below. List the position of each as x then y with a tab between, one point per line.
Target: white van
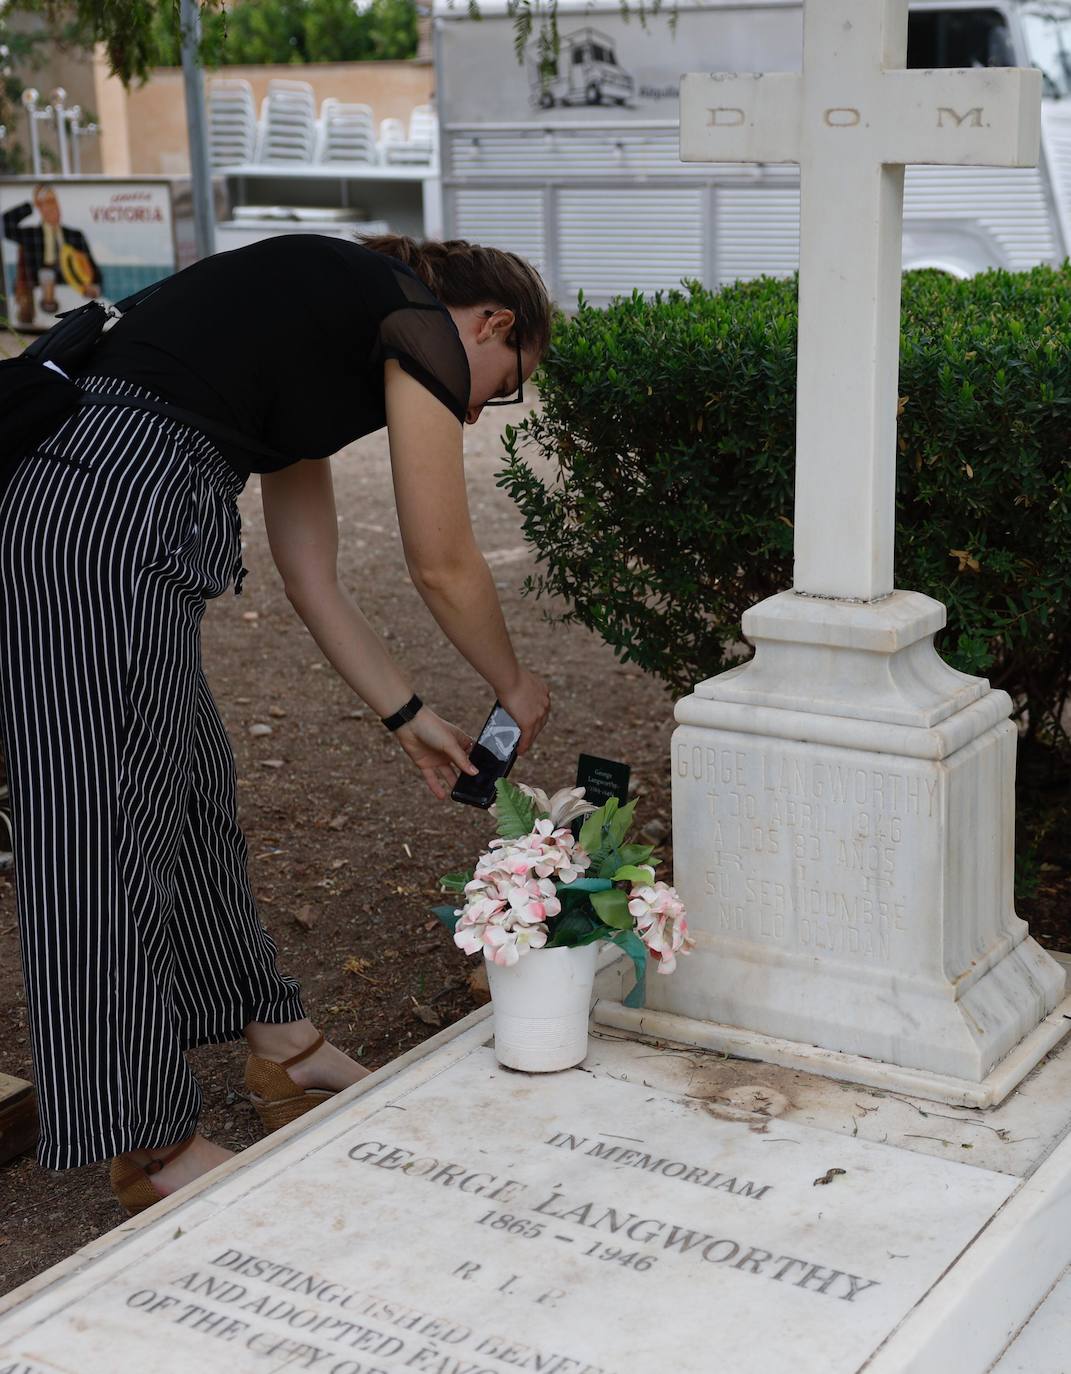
584	177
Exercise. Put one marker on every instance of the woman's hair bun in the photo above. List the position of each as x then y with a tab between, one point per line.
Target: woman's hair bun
462	273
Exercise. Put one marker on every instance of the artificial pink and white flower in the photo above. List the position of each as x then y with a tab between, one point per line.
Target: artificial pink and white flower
500	946
507	860
468	936
512	893
505	947
544	853
492	886
534	902
658	913
530	937
557	852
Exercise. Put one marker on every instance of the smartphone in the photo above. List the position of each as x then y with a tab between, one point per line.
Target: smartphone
494	754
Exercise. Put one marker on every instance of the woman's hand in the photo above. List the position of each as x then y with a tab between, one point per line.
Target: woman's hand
528	702
438	749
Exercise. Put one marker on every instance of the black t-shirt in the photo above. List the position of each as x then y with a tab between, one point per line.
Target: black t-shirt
285	340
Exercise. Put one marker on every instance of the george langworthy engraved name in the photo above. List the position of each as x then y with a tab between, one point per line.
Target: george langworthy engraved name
661	1236
848	117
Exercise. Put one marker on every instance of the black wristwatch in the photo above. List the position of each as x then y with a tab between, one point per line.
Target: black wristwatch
406	714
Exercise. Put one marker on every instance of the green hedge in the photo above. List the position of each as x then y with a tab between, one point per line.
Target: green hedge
292	31
656	484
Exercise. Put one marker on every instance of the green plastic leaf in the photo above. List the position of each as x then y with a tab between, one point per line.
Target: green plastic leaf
591	831
619	823
636	853
612	908
446	914
572	928
632	873
607	862
584	885
634	947
454	882
516	811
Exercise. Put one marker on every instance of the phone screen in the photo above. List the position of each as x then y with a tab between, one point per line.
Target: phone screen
494	754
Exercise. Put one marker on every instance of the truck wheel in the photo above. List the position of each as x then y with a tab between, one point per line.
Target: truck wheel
546	101
593	94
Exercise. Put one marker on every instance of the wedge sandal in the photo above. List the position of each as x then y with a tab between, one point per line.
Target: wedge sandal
276	1097
132	1183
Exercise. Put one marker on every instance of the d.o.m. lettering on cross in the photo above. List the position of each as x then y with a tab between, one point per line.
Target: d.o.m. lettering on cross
725	117
948	118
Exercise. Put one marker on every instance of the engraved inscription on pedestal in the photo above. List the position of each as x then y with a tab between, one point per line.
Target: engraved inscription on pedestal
811	851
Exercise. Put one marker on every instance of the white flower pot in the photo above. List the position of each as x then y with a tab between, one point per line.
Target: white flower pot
541	1008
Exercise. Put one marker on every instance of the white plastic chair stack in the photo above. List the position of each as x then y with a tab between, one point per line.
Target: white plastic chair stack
287	123
421	144
232	122
391	133
347	133
424	128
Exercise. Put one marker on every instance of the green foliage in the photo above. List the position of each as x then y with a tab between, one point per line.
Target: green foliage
125	27
540	18
636	950
393	29
24	49
636	853
630	873
515	809
335	32
669	425
611	907
292	31
447	914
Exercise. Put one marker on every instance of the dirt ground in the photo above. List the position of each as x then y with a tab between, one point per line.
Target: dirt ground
345	840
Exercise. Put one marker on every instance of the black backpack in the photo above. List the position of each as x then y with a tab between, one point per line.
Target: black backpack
35	399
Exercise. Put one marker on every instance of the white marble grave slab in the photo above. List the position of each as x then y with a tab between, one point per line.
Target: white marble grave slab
1013	1138
457	1218
1044	1344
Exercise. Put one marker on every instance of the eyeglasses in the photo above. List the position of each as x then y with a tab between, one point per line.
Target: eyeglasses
511	400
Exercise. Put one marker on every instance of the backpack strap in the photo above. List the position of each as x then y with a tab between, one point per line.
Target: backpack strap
128	301
90	313
212	428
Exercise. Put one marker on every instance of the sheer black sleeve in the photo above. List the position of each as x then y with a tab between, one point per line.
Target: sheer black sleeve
423	338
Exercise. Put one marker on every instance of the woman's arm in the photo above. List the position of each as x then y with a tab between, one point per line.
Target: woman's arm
302	527
447	567
299	515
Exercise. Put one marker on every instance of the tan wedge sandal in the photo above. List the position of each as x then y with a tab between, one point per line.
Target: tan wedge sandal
131	1182
277	1098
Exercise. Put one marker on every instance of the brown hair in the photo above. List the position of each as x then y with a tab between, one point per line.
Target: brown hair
462	273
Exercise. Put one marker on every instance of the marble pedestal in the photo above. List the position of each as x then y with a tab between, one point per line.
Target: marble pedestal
843	813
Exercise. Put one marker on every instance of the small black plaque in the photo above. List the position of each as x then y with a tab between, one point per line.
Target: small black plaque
601	779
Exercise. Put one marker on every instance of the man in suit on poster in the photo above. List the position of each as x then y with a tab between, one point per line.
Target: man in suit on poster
50	253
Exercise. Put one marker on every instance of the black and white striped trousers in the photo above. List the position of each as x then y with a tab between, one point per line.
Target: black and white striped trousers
140	934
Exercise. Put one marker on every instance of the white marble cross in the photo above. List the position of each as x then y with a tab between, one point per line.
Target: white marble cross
851	120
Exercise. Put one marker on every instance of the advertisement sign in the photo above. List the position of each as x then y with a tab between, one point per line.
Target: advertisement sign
76	239
609	67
